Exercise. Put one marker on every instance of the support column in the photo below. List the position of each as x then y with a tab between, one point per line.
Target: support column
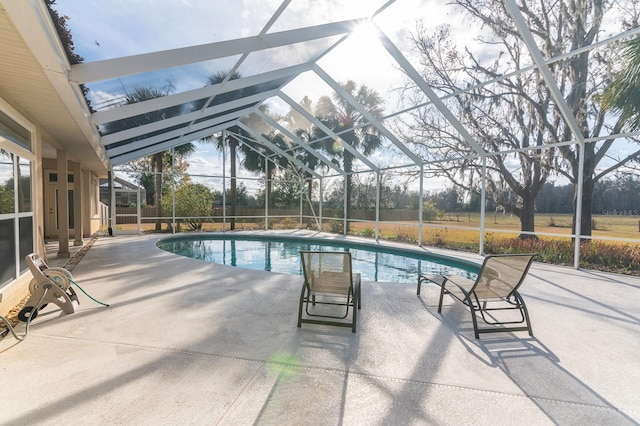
483	204
112	205
173	196
344	218
266	196
224	183
78	201
301	180
578	220
320	189
378	181
87	205
420	201
39	194
62	201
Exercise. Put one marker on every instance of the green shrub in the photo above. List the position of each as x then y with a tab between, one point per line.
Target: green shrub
430	212
336	226
368	232
593	254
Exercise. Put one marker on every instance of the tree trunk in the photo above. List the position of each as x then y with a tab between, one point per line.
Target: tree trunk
588	185
527	216
268	188
147	181
348	164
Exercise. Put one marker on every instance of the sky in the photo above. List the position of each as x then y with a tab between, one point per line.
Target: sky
107	29
131	27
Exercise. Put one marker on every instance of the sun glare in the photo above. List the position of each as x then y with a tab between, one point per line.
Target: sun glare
365	32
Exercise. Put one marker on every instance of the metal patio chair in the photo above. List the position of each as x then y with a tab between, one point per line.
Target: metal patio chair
495	289
331	291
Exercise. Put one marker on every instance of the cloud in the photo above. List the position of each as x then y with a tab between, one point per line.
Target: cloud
103	100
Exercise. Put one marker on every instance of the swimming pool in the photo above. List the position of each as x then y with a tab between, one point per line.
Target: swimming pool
282	254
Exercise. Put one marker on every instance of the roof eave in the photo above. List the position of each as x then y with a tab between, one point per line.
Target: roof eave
39	35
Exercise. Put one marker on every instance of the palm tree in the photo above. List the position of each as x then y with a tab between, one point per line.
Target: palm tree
346	121
158	160
304	130
623	94
258	157
309	160
232	141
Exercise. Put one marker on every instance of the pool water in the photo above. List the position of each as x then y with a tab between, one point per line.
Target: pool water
375	263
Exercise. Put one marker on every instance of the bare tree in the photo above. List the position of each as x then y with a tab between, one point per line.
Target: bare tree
509	115
517	116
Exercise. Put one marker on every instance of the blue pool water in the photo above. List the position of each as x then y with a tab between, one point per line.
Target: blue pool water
276	254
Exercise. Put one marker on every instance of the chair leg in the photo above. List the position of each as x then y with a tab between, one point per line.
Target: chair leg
302	301
473	318
525	312
442	290
422	279
355	314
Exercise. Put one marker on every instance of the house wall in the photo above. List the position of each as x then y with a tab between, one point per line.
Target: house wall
89	191
14	285
16	239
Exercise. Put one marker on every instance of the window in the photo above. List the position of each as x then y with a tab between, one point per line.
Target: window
53	177
14	132
7	251
16	203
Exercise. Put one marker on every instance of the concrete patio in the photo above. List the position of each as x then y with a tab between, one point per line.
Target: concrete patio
190	342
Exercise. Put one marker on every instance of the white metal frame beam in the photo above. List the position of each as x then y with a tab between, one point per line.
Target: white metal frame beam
145	151
138	108
118	67
177	137
186	118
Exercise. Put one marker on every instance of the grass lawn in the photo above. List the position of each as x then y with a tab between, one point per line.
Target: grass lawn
605	226
464	227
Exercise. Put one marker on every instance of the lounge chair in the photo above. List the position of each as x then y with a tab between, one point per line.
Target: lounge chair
495	289
329	280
